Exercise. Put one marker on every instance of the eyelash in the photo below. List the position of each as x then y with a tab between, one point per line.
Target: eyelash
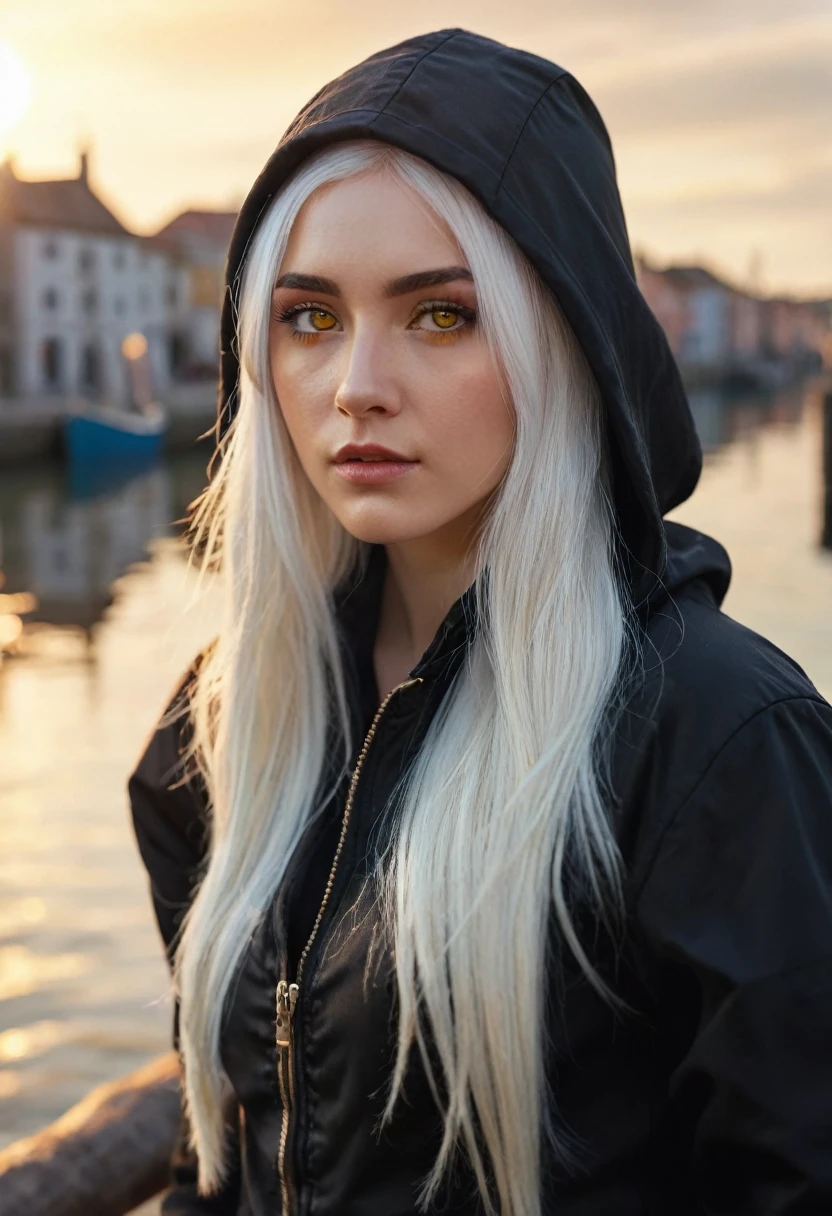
468	315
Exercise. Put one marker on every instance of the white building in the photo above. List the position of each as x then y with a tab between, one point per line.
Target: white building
73	284
197	244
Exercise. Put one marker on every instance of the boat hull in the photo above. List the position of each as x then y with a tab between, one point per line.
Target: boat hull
91	438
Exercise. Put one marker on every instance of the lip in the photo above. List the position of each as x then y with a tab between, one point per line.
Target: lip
374	472
368	452
370	464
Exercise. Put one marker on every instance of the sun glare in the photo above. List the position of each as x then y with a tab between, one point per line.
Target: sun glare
15	88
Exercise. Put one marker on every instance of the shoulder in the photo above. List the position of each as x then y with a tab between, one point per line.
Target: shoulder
700	656
168	802
713	694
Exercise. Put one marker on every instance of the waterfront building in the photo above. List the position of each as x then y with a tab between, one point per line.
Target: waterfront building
196	244
74	282
668	303
719	331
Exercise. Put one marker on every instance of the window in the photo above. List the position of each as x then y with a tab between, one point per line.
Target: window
178	353
6	371
118	259
172	295
86	259
144	298
90	376
50	248
89	301
50	299
119	305
52	363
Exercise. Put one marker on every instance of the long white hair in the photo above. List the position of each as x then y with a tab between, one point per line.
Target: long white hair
507	804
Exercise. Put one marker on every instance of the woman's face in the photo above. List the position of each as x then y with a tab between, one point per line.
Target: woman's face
375	340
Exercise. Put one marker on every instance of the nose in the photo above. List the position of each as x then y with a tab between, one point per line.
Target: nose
368	382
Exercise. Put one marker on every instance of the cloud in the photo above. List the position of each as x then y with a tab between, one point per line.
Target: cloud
716	110
788	85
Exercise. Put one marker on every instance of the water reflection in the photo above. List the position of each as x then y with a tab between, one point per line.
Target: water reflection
723	419
66	538
83	982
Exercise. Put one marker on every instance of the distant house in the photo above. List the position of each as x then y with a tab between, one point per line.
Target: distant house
668	302
707	339
692	306
794	329
196	243
718	329
74	282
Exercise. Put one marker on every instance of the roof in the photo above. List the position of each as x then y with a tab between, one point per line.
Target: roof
213	226
65	203
692	277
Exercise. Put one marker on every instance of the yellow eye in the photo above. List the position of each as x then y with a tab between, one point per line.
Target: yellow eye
444	318
321	320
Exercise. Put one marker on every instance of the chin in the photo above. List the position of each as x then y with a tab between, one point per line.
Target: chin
385	528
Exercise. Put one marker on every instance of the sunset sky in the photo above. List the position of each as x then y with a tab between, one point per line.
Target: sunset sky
720	112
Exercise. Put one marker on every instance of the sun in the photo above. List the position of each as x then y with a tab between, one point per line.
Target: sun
15	88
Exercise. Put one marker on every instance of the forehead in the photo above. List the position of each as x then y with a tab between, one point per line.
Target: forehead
372	224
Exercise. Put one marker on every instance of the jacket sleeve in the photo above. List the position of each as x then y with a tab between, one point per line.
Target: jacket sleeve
168	811
740	897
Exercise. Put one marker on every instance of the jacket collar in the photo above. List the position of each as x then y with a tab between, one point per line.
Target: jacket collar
692	556
358	608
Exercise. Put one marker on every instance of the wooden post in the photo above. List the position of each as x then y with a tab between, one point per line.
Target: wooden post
826	530
107	1155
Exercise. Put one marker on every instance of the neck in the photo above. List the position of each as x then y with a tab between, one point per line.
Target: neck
424	578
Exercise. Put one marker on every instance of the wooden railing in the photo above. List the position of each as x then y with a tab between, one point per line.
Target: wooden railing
104	1157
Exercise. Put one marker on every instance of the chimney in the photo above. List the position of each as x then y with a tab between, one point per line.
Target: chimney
84	167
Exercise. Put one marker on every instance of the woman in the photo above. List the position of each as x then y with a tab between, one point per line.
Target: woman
493	859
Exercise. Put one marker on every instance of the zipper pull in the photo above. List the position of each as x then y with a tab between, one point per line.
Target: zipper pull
287	995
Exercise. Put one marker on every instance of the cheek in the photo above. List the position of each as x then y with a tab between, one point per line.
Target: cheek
302	392
471	420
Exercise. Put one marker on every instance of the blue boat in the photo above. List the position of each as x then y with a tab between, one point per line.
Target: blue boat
101	433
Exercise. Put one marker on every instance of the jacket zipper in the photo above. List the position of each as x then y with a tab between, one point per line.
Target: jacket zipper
288	993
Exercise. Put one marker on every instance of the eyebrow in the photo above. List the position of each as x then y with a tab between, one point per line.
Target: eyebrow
396	287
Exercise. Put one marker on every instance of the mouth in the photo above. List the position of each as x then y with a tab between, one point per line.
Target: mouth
368	453
373	470
367	460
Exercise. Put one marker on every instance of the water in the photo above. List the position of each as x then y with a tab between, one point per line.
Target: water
83	984
82	979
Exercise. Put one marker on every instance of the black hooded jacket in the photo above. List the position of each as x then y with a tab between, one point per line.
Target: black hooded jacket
715	1094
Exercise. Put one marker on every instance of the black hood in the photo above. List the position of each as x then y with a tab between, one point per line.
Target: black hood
525	138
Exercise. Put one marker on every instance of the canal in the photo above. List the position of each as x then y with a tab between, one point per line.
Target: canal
83	984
